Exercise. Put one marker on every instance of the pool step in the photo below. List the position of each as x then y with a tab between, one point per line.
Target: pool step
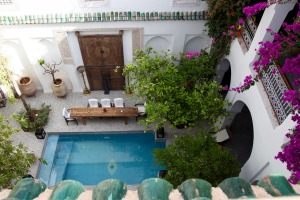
62	157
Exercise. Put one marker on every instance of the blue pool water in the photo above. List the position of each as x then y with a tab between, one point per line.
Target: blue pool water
92	158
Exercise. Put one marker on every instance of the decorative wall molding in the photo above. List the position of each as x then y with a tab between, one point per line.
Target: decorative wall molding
8	5
63	45
186	2
102	17
137	39
93	3
6	2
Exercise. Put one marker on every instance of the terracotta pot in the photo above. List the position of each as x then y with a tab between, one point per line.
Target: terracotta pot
27	87
59	88
238	34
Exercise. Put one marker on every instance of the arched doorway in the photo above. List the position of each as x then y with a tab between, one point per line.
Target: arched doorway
224	76
241	133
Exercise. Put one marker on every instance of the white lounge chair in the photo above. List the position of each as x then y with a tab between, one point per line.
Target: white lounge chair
93	103
222	135
119	102
141	109
66	115
105	103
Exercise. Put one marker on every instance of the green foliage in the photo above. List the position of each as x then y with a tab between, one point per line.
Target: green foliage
179	90
30	119
5	80
49	68
197	156
15	160
221	15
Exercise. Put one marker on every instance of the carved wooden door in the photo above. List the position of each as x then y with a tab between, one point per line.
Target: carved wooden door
101	54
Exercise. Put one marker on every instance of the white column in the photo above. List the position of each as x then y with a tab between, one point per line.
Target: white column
75	77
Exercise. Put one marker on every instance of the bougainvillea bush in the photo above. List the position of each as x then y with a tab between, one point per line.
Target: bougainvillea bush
222	14
279	51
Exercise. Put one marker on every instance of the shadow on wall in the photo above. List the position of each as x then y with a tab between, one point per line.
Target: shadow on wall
241	141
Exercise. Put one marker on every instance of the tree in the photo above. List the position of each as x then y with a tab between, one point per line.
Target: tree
15	160
197	156
5	78
50	68
178	90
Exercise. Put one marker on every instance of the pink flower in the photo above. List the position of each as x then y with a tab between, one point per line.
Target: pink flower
225	87
269	30
232	34
250	11
241	21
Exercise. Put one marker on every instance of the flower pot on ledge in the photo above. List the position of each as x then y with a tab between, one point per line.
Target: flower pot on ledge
26	86
59	88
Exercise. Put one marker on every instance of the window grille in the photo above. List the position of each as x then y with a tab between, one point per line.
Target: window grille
275	87
249	29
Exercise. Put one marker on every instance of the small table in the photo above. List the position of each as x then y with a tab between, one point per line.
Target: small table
104	112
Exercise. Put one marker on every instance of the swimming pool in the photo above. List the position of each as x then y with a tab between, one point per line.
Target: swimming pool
92	158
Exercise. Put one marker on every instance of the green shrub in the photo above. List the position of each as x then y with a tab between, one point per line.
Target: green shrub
197	156
29	121
15	160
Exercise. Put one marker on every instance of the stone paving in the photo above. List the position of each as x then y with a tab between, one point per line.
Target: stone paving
57	123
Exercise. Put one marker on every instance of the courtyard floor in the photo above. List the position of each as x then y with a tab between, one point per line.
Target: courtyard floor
57	123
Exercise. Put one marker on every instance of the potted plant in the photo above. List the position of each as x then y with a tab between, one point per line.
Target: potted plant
58	86
31	119
27	87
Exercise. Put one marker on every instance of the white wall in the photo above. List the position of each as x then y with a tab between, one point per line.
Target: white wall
269	136
69	6
38	40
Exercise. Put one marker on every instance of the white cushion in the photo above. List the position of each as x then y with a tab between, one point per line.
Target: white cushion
221	135
65	113
105	103
141	109
93	103
119	102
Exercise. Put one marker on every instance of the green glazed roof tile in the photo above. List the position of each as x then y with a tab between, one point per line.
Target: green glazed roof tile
276	185
104	17
236	187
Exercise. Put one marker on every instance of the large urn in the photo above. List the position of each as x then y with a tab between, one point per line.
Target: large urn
26	86
59	88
